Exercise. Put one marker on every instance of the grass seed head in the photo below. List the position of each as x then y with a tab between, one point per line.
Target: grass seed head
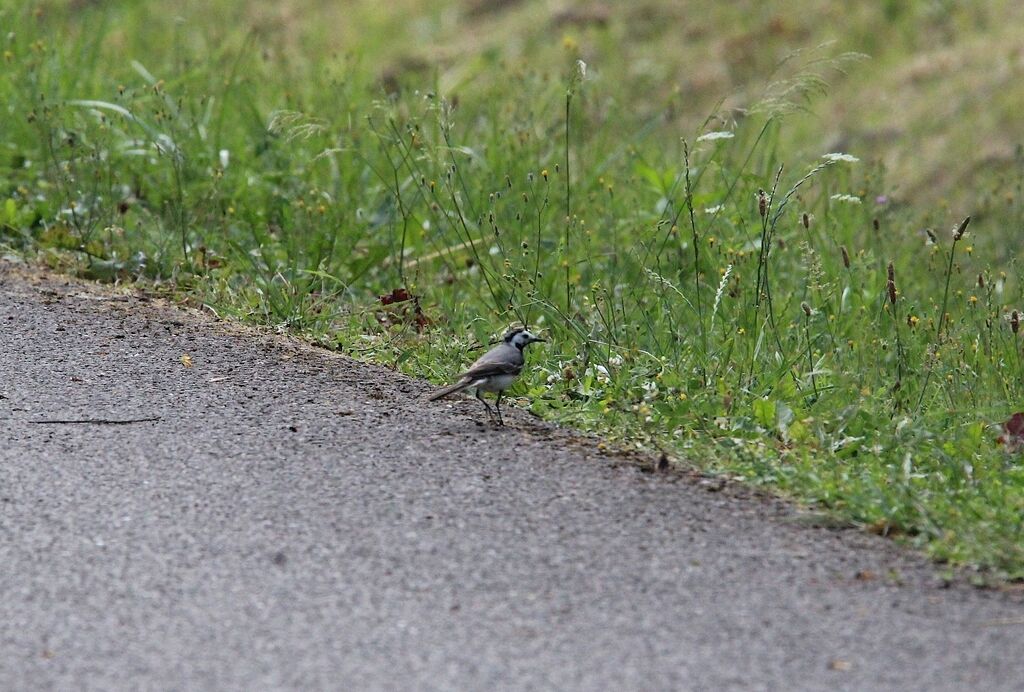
762	203
1015	321
846	256
959	231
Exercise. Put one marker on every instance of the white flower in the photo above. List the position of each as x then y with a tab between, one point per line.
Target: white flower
719	134
845	198
615	361
838	156
225	158
715	209
581	69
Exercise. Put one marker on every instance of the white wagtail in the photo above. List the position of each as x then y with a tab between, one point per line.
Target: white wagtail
494	371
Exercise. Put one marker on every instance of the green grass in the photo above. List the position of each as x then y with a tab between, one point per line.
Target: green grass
726	298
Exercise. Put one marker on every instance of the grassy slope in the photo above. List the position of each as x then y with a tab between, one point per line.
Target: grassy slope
869	407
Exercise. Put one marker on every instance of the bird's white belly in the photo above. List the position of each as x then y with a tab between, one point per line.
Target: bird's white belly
496	384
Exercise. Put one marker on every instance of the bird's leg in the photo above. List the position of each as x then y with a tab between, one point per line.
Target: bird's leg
497	407
480	396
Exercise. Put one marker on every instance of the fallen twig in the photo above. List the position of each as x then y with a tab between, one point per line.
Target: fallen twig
1002	622
95	421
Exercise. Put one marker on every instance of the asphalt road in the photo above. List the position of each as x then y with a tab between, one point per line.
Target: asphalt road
296	520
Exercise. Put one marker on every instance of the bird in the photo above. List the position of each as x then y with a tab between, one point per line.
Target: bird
494	371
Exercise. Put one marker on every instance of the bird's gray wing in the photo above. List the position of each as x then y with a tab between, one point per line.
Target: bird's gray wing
503	360
483	368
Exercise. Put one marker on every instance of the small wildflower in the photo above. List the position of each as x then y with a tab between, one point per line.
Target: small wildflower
972	300
714	210
912	321
806	308
544	174
838	156
712	136
851	199
762	203
969	249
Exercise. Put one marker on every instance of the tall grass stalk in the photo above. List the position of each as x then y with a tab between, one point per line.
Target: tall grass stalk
958	233
695	239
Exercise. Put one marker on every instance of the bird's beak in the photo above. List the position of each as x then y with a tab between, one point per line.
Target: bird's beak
537	338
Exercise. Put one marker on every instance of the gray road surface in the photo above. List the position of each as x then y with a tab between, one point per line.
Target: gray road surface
296	520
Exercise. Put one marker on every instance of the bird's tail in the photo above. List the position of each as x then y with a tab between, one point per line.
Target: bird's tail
457	387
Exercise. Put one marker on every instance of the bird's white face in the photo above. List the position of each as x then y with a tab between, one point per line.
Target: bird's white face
523	338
